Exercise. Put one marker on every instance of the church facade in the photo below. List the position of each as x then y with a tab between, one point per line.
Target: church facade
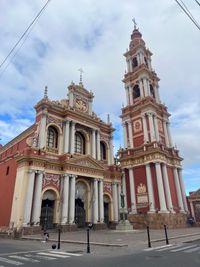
152	172
61	170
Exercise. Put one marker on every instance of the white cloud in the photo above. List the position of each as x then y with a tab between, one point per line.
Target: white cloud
94	35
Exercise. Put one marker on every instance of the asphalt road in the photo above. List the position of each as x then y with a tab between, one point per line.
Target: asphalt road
37	254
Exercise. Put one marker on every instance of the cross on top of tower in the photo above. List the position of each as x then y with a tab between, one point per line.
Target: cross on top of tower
81	76
135	24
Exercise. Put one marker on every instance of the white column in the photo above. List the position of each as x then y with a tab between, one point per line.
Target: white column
125	134
138	59
178	191
127	96
146	136
37	198
115	201
90	107
150	189
71	99
98	146
101	203
146	88
167	188
130	133
124	189
130	95
183	189
29	198
169	134
42	131
72	137
72	199
166	134
119	198
95	202
161	193
66	137
151	126
156	128
132	192
141	89
128	66
65	197
94	143
111	151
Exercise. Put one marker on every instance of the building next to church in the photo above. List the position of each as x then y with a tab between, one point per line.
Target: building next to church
152	172
194	205
61	170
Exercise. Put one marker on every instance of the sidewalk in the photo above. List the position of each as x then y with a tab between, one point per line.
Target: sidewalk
128	241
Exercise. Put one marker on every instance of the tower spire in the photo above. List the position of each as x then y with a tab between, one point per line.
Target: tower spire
46	92
135	24
81	76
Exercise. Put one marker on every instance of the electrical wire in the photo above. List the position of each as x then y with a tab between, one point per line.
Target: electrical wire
197	2
188	14
23	35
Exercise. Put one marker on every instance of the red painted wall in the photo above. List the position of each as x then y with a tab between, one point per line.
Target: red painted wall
7	180
140	177
7	185
172	188
138	141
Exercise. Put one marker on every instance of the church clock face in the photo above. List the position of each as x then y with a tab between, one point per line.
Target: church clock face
81	104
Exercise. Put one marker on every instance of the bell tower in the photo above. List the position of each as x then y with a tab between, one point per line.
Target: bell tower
152	172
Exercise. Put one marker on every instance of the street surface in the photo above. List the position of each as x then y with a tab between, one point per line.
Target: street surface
37	254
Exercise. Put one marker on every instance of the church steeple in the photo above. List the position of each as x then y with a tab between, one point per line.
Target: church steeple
140	79
148	157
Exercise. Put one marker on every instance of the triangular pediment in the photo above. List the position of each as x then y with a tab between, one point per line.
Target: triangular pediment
87	162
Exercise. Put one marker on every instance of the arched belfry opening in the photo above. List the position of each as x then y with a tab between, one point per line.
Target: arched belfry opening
134	63
136	91
152	92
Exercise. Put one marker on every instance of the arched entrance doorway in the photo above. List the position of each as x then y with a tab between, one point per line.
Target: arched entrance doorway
47	210
80	204
106	203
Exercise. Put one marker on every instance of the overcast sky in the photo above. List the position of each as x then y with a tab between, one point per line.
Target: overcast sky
94	35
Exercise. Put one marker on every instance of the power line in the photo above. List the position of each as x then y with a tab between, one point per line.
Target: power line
23	35
197	2
188	13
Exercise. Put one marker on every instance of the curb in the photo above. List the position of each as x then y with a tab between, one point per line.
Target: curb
77	242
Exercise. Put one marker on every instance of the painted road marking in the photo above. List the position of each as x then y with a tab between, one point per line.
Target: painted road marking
171	247
23	258
155	248
40	257
10	261
192	250
66	253
182	248
53	255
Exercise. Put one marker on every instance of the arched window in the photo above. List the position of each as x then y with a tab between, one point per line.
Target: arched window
102	151
134	62
152	91
52	137
79	143
136	91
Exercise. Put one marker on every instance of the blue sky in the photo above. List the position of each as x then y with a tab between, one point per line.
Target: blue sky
94	35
